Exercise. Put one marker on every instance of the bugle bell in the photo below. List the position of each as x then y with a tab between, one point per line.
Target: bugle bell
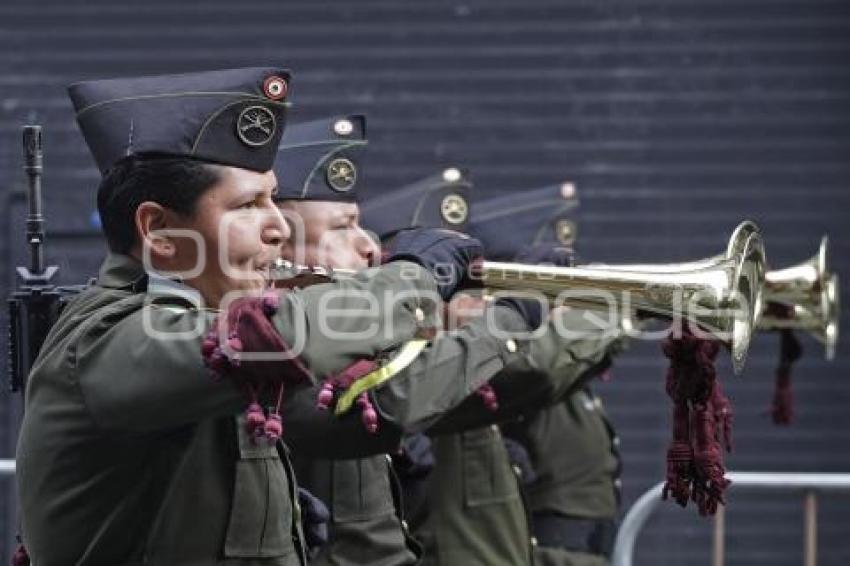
808	297
722	295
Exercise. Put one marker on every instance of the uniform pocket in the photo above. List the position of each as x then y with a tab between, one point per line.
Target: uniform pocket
260	523
487	474
361	489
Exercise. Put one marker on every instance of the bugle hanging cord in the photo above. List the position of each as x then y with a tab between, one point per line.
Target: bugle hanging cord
790	350
702	422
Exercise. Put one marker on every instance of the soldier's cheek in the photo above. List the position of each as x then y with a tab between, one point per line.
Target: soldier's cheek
243	245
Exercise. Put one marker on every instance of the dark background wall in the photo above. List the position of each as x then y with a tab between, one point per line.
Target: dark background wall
675	118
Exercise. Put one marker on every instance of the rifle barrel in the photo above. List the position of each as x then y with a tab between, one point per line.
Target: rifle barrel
35	221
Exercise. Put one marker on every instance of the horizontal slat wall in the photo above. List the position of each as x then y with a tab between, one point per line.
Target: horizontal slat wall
676	119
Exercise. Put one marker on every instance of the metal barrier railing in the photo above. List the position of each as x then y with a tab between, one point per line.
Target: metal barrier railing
809	484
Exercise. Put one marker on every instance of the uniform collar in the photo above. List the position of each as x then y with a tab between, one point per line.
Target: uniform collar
120	271
162	288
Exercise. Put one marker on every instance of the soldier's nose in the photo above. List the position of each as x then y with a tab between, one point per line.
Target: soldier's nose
276	230
368	248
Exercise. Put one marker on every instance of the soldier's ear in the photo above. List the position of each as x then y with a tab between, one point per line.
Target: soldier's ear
152	229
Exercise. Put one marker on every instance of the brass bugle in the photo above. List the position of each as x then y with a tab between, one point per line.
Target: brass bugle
810	294
722	295
737	245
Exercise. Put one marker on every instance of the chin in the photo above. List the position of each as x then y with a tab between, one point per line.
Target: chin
251	284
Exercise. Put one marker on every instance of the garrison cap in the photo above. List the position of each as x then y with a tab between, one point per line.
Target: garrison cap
438	201
544	216
317	160
232	116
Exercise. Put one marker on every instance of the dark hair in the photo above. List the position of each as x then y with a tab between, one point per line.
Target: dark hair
174	182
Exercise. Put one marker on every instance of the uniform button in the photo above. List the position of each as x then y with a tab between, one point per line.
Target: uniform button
511	345
533	541
616	441
419	314
517	470
405	527
618	483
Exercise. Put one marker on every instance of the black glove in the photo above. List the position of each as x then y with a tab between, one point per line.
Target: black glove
531	310
314	519
519	458
415	459
547	253
446	254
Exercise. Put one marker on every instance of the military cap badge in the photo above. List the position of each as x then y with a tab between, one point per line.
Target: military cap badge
256	126
565	232
341	174
454	209
275	87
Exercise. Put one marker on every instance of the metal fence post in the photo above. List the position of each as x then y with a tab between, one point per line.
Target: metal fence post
718	552
810	529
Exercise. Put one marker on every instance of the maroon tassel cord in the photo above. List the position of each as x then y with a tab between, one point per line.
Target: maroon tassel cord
327	396
702	424
680	456
250	330
21	557
488	397
345	379
790	350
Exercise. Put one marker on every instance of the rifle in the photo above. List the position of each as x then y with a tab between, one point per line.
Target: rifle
35	306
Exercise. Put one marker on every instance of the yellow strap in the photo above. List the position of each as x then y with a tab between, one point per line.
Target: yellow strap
374	378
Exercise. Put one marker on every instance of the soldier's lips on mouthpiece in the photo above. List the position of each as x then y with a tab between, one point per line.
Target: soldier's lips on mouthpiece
265	270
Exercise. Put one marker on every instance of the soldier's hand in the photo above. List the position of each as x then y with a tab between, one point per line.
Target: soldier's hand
244	329
415	458
531	309
445	253
314	519
548	254
519	457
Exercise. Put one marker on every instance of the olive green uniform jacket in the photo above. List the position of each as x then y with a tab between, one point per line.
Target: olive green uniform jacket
474	511
573	450
130	453
367	522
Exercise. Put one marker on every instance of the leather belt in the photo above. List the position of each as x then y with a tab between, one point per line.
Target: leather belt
592	536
